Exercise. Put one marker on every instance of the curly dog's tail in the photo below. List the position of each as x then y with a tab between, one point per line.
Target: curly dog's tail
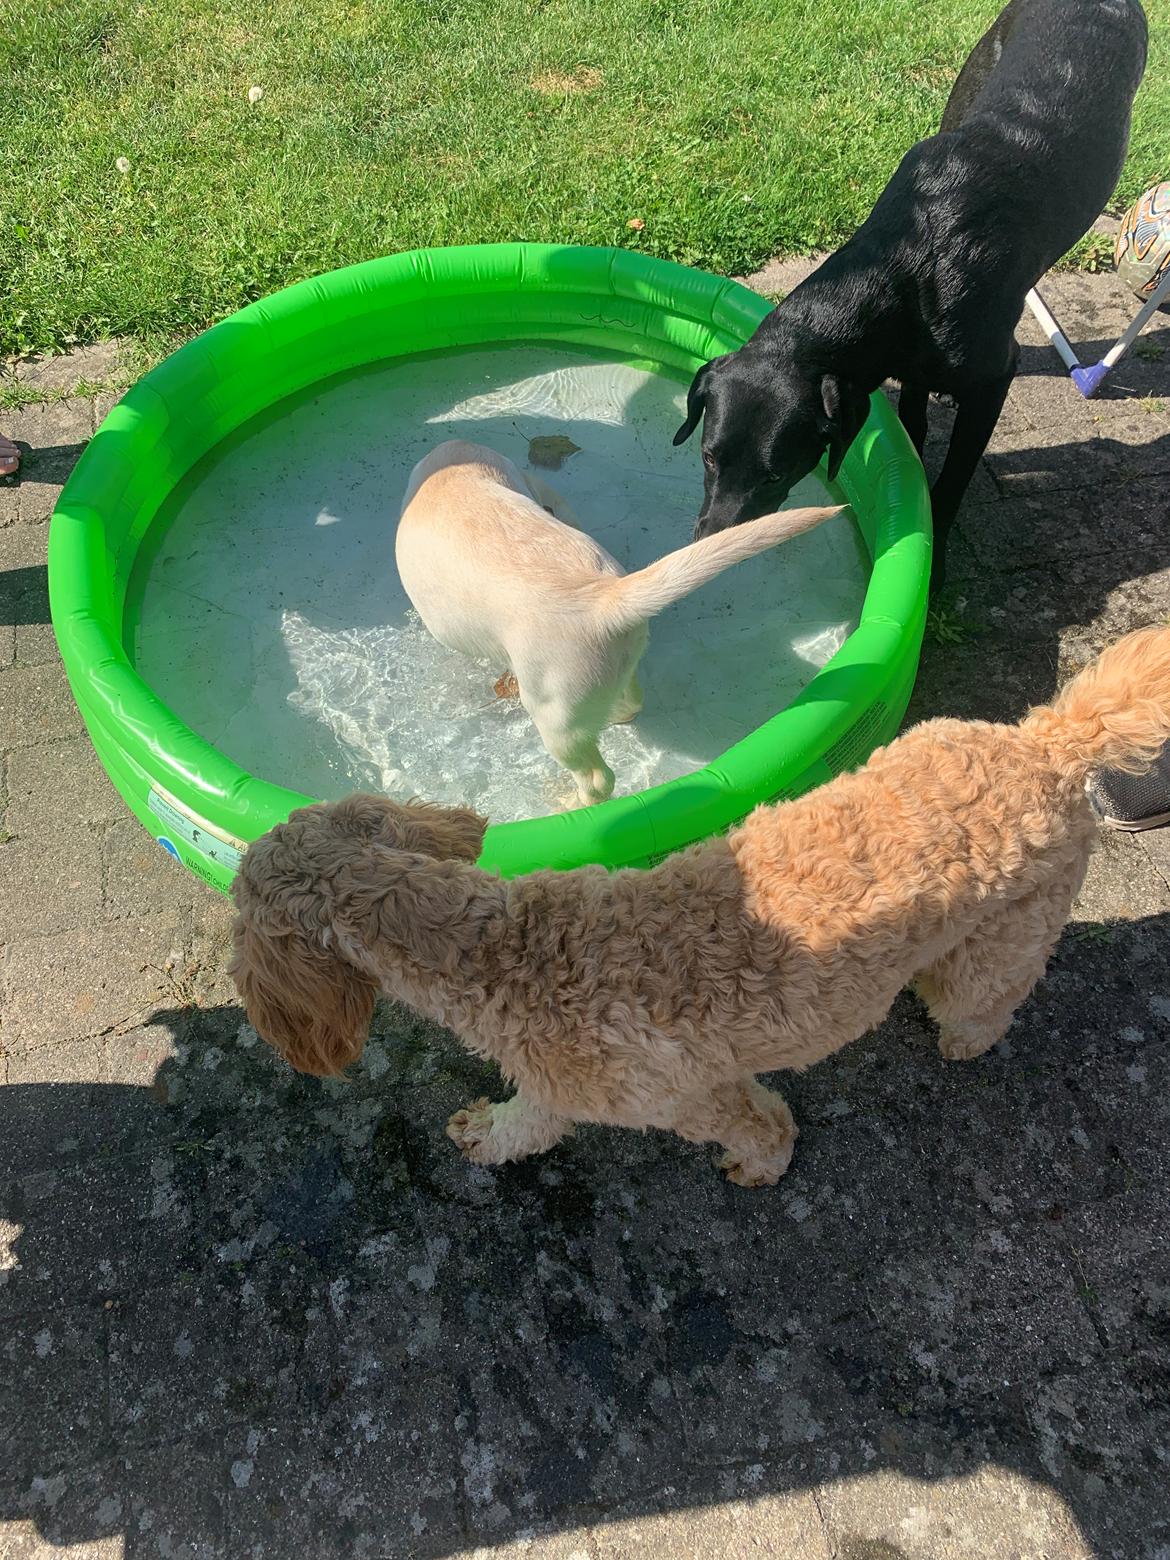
1113	715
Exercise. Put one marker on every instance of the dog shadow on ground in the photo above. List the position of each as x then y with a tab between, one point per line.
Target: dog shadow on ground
252	1313
1060	549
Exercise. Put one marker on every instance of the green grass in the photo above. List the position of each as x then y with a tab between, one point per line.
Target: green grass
732	131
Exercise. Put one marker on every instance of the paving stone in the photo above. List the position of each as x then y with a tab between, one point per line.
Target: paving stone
23	1542
9	502
381	1484
1120	885
25	548
535	1544
945	1332
1048	401
887	1516
768	1525
1083	1429
55	782
231	1346
49	886
1028	630
83	365
36	706
52	1389
1131	1079
1027	461
211	949
1123	1258
26	634
134	1058
174	1502
89	1233
72	984
55	1108
142	880
1154	844
1116	523
55	433
35	644
73	1514
779	277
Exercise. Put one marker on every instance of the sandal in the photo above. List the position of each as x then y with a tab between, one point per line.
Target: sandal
1133	802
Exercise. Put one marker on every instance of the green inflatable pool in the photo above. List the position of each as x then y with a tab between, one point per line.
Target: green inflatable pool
203	807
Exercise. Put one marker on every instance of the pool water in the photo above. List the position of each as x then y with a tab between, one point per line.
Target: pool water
272	621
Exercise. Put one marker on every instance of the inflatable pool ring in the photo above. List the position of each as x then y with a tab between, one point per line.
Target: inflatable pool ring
201	806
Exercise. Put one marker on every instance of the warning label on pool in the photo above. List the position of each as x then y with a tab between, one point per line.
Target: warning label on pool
202	836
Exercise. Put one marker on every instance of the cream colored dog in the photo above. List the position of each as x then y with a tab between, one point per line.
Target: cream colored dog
652	999
497	570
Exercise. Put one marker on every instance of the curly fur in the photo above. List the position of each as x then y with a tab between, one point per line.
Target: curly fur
653	998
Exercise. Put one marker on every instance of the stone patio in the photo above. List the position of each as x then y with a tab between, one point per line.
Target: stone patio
248	1314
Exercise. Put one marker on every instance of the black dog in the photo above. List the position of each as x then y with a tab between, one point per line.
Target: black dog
931	287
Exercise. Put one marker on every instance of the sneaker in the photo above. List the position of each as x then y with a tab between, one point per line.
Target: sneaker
1133	802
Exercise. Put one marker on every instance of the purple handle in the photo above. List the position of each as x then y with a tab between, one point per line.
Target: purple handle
1088	380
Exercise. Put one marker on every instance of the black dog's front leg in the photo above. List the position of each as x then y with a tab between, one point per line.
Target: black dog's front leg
912	401
978	413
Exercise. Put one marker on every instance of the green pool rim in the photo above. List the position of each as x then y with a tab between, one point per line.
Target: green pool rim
203	807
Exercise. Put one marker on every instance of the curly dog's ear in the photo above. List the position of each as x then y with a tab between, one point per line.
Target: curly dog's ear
314	1008
455	833
446	833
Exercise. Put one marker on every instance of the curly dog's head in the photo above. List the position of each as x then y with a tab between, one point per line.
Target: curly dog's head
312	893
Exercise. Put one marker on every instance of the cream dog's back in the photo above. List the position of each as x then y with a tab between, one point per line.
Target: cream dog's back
497	569
507	545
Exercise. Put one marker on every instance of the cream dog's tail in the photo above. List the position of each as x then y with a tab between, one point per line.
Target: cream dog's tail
632	598
1116	713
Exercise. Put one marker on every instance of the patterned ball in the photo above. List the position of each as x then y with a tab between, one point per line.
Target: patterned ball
1142	254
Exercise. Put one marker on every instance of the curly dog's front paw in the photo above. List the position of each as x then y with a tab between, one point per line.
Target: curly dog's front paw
755	1172
512	1129
471	1128
963	1042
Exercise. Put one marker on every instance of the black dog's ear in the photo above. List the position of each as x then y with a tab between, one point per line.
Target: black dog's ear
846	408
697	398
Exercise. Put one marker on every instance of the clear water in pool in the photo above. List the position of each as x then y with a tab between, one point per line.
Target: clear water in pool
272	621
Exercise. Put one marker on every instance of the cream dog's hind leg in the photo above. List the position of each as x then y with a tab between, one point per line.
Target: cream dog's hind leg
548	498
629	704
577	751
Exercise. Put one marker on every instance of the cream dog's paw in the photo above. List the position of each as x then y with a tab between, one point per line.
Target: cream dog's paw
470	1129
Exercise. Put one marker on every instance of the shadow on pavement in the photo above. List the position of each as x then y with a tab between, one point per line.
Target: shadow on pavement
253	1314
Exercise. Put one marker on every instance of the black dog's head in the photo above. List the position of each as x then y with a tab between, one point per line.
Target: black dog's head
766	425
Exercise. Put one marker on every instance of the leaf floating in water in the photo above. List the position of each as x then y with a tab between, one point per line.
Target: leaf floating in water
506	686
551	450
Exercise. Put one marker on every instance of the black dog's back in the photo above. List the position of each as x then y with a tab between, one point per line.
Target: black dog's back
1047	77
1033	138
930	288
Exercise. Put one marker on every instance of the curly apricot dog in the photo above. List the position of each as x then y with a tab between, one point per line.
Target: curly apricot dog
653	998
